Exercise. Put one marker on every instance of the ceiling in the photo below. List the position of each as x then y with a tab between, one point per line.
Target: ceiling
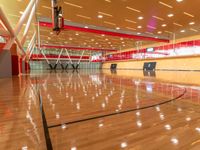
153	17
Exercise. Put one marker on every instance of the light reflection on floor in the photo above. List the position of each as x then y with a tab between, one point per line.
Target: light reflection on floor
105	109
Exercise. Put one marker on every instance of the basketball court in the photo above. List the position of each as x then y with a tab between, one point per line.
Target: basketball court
99	75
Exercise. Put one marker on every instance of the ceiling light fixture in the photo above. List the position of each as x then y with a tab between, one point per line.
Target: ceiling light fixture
105	14
151	27
177	24
127	20
82	16
140	18
100	16
130	8
47	7
110	23
130	28
182	31
191	23
193	30
188	14
170	15
74	5
159	18
164	4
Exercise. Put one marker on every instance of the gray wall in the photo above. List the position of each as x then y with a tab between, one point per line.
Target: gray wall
5	64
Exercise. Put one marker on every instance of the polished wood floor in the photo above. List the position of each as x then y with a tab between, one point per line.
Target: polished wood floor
100	110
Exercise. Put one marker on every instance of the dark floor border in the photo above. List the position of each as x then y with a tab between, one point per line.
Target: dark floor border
122	112
154	70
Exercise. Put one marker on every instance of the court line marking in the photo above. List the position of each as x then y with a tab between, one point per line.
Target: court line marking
44	121
121	112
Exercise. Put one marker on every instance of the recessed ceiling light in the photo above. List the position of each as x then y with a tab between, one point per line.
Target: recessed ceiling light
188	14
138	33
133	9
73	148
177	24
159	32
159	18
74	5
123	145
193	30
151	27
170	15
82	16
47	7
164	25
110	23
105	14
182	31
108	1
102	35
191	23
130	28
117	28
165	4
140	18
86	27
77	34
139	27
179	1
128	20
100	16
168	32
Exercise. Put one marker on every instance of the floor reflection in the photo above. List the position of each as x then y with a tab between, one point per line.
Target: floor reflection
79	108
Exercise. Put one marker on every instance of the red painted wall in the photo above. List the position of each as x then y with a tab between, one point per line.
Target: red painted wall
128	54
15	65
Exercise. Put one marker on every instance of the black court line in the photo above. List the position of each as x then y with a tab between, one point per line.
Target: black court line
117	113
45	126
156	69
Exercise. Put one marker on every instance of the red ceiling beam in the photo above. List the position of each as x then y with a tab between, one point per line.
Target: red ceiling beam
76	48
96	31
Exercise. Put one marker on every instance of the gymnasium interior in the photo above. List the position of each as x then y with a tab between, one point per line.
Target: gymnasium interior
99	75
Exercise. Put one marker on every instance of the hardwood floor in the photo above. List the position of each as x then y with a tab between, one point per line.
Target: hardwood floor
21	126
95	110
